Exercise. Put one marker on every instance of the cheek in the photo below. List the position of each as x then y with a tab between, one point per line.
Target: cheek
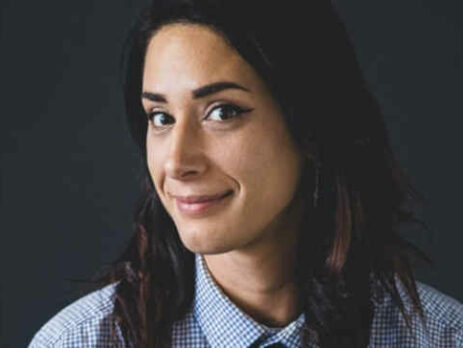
267	169
150	159
268	158
273	181
153	162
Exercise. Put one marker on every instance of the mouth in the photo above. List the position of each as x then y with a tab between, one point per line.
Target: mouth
201	198
200	204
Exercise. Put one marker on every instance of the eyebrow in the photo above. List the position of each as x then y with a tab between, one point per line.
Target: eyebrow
199	92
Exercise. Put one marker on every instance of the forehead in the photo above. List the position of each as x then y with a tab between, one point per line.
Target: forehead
189	55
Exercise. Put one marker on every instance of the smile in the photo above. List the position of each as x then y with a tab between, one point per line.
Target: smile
200	208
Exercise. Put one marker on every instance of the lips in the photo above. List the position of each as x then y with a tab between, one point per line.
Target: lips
201	198
200	206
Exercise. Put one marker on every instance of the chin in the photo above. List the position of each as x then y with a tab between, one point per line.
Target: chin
207	249
203	244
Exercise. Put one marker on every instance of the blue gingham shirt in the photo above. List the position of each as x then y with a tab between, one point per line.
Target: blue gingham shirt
215	321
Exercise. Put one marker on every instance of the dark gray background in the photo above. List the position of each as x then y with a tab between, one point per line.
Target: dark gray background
68	168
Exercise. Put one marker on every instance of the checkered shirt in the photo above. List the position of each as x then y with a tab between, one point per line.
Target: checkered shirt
214	321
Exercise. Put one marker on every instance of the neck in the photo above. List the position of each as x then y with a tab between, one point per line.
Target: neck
261	287
259	278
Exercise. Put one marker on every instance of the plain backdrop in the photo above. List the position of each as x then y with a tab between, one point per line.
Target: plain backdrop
68	168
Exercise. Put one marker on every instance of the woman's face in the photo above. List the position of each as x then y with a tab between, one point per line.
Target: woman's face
211	141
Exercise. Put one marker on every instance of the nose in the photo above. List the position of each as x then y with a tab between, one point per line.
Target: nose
185	157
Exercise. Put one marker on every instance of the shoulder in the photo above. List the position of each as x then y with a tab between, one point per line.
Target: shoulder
443	325
440	308
84	322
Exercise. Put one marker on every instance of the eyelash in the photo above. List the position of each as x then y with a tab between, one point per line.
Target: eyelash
236	109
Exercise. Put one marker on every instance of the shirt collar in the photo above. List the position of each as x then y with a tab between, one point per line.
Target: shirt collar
225	325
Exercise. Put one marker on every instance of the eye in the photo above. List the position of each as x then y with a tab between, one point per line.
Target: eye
158	121
227	111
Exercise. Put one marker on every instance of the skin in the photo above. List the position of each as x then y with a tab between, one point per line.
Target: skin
248	240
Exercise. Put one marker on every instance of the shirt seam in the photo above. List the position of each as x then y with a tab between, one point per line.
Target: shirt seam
101	314
68	330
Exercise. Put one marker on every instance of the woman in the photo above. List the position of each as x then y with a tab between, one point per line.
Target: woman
271	198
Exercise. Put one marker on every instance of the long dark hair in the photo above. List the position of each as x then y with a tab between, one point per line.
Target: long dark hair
350	250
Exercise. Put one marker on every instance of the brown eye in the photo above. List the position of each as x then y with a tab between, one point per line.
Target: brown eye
227	111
